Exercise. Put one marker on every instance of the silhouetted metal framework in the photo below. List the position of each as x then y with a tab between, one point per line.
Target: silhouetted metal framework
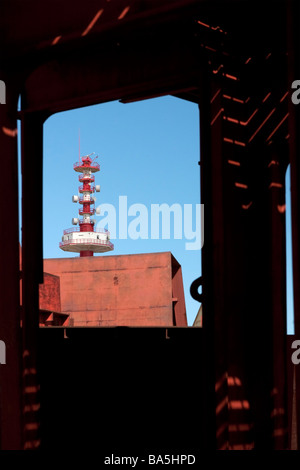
237	60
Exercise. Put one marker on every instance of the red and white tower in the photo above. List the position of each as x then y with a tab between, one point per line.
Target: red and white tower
86	239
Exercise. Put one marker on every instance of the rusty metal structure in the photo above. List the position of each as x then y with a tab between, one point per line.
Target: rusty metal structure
127	290
236	59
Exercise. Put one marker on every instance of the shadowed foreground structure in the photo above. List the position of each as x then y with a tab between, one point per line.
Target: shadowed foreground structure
236	60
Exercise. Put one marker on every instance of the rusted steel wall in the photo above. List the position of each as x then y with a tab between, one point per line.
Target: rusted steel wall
49	293
131	290
178	295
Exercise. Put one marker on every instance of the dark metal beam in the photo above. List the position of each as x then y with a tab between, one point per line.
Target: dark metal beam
10	332
32	269
293	15
126	67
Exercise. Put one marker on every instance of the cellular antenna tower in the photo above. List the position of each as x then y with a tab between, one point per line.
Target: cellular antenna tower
86	239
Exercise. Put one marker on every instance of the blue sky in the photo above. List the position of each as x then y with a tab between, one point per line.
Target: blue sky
148	151
289	276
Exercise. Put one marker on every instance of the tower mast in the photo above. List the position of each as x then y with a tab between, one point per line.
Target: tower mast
86	239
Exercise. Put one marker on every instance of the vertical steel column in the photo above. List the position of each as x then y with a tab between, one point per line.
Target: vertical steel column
10	333
243	268
277	170
211	278
293	15
32	268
